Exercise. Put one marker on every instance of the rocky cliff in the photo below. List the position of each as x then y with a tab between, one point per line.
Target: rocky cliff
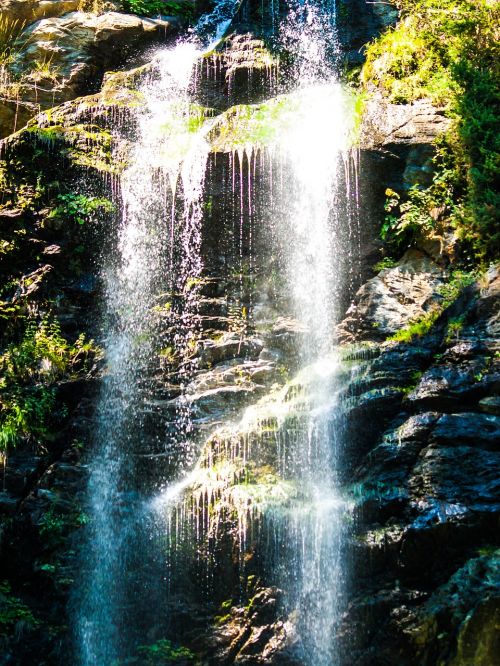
418	379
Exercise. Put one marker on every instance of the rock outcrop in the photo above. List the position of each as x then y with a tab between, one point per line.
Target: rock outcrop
29	11
60	58
392	299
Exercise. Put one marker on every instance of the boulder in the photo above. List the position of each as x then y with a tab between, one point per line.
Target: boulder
392	299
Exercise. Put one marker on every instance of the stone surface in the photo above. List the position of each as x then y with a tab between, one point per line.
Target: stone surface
392	299
427	498
391	125
63	57
29	11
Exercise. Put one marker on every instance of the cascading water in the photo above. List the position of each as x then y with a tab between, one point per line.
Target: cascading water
151	293
317	164
157	254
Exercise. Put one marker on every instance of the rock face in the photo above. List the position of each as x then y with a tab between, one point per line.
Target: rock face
428	502
359	22
29	11
392	299
390	125
59	58
75	50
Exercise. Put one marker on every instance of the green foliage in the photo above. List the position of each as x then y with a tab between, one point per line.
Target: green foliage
14	615
80	208
160	7
417	328
423	211
383	264
454	328
459	280
55	525
448	51
10	29
164	653
29	371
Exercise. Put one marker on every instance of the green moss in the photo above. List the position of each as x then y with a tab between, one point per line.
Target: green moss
253	125
85	144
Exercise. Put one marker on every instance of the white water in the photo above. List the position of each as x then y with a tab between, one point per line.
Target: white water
317	149
157	254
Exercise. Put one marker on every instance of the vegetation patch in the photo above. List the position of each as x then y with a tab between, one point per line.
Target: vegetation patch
15	616
184	10
448	52
449	292
163	653
79	208
30	370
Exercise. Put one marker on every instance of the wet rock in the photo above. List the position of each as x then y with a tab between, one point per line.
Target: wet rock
230	346
215	402
470	429
459	474
382	478
241	71
464	615
456	386
256	634
490	405
358	22
392	299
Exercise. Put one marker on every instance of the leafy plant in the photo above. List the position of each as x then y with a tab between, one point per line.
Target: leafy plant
454	328
29	371
447	50
10	29
13	613
159	7
418	328
80	208
164	652
54	525
383	264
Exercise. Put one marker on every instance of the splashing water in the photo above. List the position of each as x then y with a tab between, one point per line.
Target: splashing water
318	158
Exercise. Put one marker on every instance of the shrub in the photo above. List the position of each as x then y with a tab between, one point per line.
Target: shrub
80	208
160	7
29	371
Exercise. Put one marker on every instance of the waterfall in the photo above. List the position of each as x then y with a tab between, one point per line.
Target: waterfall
317	168
142	526
156	260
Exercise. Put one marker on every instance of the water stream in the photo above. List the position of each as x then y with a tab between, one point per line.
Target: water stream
141	472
